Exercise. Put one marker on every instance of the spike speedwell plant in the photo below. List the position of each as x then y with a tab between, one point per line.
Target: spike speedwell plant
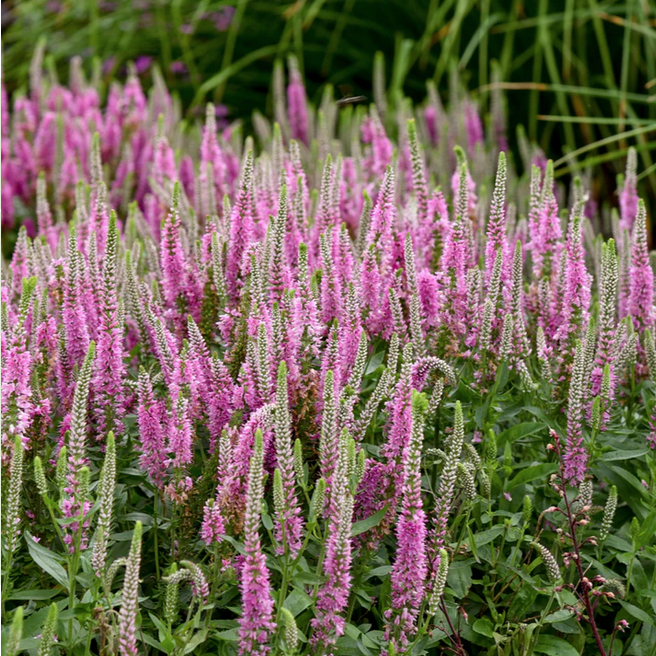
331	388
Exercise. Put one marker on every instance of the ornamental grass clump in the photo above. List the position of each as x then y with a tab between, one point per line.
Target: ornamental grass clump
339	386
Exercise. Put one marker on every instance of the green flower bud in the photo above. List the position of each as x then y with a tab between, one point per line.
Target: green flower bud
635	529
527	510
83	483
318	500
47	641
62	469
491	448
171	599
549	562
291	630
360	465
350	458
486	484
278	494
439	583
595	415
605	383
40	477
15	633
609	513
466	481
298	463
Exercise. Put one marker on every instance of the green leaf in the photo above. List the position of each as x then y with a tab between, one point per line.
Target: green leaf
553	646
168	645
518	431
559	616
148	639
472	544
531	474
161	627
352	631
297	601
459	579
624	455
524	599
368	523
47	560
267	522
631	479
231	635
199	637
381	571
484	626
239	546
306	578
638	613
647	530
28	643
36	595
375	362
484	537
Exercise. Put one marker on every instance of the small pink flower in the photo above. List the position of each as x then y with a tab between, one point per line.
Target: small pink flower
507	496
223	18
36	539
143	63
178	67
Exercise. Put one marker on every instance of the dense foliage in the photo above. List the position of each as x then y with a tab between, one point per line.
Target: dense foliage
320	392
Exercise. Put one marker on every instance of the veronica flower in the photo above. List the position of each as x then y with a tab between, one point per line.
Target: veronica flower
73	316
107	488
127	622
641	286
210	152
496	227
575	458
297	103
289	523
333	596
576	298
256	622
447	483
607	312
107	381
241	228
629	195
650	350
150	418
12	521
48	633
410	566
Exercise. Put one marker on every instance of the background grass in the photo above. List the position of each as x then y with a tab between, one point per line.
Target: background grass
579	75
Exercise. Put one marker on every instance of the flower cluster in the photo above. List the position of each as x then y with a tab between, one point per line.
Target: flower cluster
293	314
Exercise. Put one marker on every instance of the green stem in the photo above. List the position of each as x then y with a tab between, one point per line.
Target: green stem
464	528
5	583
543	616
629	574
73	564
155	538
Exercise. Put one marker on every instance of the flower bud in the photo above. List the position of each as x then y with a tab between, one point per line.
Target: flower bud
40	477
609	513
527	509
